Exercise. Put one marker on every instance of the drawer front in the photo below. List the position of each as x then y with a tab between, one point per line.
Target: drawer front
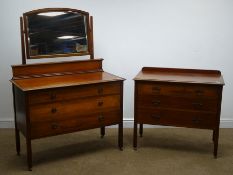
202	120
73	108
61	94
184	90
196	104
89	121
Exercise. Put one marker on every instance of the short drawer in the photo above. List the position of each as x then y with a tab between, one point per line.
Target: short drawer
185	90
60	94
73	108
88	121
175	102
178	118
44	129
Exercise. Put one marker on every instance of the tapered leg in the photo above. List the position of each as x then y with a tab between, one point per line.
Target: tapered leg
213	135
17	141
141	130
120	136
17	137
29	154
135	135
216	135
102	131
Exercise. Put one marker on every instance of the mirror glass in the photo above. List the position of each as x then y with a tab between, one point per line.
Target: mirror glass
51	33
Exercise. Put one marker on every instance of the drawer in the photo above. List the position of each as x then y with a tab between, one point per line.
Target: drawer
88	121
73	108
178	118
60	94
196	104
185	90
91	121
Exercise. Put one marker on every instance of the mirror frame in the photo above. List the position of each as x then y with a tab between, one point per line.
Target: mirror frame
24	34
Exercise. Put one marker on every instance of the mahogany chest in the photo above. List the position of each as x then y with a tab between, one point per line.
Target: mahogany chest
49	100
59	97
178	97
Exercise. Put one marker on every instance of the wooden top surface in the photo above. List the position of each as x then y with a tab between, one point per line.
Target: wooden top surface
39	83
180	75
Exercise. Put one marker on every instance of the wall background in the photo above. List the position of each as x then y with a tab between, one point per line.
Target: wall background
130	34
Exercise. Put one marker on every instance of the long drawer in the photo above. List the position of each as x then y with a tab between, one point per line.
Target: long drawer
184	90
205	120
61	94
196	104
88	121
73	108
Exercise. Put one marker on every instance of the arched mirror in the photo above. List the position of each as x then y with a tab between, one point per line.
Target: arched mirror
56	32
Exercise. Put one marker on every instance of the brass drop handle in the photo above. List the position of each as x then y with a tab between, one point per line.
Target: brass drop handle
156	102
53	96
100	90
196	120
157	117
100	103
197	104
156	89
53	110
54	125
199	92
101	118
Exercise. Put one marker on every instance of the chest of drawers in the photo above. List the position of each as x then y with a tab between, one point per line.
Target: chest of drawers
178	97
67	111
52	104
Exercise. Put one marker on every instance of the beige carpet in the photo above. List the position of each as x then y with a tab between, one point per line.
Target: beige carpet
175	151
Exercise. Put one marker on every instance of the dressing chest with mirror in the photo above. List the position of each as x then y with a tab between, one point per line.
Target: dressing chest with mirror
61	97
178	97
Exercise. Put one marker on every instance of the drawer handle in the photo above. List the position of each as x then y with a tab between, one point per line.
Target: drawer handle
199	105
53	110
157	117
101	118
199	92
54	125
100	90
53	96
100	103
156	89
156	102
196	120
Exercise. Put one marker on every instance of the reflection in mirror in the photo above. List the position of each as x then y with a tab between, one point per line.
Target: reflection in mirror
52	33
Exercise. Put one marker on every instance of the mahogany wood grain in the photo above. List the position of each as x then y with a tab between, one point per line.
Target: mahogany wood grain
74	92
120	124
20	108
178	97
178	89
91	38
22	41
180	118
24	34
64	103
64	81
71	108
40	69
191	104
17	136
84	122
191	76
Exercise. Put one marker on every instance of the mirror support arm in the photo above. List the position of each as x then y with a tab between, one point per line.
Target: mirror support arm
91	38
22	41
